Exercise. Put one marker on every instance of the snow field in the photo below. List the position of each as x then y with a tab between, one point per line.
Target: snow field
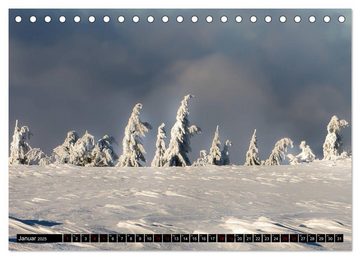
306	198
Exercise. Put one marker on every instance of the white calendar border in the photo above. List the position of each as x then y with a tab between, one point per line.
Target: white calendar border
223	4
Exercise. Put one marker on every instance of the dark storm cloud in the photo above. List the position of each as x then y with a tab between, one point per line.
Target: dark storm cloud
283	79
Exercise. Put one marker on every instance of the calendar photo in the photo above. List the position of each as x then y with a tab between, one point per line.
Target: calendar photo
180	129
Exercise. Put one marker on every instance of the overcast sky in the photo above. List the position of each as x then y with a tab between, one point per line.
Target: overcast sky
284	79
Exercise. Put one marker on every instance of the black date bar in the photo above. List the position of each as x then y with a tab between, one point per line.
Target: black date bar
39	238
179	238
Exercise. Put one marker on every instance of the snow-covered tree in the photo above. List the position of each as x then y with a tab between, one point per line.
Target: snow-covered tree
20	150
225	153
81	152
203	159
207	159
306	154
61	153
252	155
278	153
133	150
34	156
103	153
158	160
181	132
214	157
19	146
46	161
293	160
332	147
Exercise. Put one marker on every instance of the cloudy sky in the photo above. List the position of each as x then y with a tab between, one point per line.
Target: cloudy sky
284	79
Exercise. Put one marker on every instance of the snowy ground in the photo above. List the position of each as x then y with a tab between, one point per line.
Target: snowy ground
312	198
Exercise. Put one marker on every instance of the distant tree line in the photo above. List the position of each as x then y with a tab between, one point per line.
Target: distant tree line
85	151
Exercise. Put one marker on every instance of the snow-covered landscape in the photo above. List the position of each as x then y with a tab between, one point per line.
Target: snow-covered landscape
306	198
85	187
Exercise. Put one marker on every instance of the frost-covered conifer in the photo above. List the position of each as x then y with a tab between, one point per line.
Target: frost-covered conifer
61	153
20	150
103	154
203	159
46	161
34	156
332	147
278	153
158	160
252	155
81	153
19	146
133	150
293	160
225	153
214	157
306	154
181	132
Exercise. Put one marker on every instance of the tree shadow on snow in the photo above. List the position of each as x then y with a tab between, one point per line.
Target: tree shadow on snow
33	222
